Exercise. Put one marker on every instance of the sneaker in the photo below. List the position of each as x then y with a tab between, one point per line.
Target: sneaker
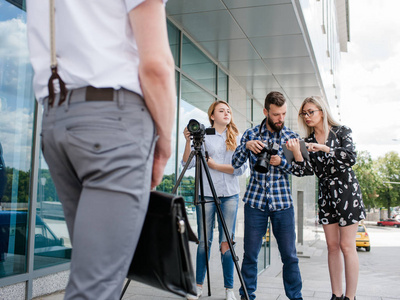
229	294
199	293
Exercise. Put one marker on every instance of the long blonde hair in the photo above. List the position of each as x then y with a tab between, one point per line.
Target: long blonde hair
231	129
327	118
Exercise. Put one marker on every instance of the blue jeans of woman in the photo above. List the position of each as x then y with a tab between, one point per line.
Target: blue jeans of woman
229	206
283	228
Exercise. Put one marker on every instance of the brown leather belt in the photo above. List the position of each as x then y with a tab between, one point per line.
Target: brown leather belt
88	93
99	94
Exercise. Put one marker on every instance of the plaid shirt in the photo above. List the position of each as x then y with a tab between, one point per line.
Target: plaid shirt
272	187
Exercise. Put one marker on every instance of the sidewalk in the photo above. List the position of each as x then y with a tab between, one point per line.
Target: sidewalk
313	266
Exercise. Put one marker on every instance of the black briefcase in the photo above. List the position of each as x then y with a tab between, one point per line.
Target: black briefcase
162	257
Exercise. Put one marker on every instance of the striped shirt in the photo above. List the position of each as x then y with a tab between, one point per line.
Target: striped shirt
273	187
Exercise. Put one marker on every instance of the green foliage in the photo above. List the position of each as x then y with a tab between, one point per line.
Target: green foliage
368	177
388	169
186	187
167	183
48	190
20	180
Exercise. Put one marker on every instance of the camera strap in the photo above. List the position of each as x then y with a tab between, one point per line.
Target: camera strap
53	62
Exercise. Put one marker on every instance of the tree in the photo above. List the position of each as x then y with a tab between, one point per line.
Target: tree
167	183
368	177
388	168
19	179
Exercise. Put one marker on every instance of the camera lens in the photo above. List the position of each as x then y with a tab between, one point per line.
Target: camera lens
193	126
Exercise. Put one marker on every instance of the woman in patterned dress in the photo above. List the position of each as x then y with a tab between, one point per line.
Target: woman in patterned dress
340	205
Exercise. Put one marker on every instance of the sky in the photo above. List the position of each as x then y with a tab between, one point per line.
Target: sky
370	76
16	115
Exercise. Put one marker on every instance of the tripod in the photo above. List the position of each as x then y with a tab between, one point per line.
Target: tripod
201	162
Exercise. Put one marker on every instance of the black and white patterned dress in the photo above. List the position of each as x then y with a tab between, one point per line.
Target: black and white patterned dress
340	199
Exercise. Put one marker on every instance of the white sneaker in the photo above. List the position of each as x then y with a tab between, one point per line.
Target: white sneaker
199	293
230	295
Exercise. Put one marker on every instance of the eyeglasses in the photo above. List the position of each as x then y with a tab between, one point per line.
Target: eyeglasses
309	113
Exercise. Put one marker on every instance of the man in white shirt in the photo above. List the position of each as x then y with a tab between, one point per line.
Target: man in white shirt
108	140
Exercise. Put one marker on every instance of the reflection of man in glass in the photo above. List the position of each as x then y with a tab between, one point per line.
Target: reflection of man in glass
3	177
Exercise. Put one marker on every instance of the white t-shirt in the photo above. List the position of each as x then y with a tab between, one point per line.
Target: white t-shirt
94	44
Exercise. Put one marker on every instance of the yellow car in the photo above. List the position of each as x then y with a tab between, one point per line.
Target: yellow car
266	238
362	238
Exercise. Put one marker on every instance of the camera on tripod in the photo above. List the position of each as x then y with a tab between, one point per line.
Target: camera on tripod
198	130
263	158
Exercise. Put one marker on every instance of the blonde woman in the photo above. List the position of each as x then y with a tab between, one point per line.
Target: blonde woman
220	148
340	205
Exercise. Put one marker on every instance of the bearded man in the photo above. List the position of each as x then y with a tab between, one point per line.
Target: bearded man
268	197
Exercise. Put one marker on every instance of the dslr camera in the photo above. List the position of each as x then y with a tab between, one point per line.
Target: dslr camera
198	130
263	158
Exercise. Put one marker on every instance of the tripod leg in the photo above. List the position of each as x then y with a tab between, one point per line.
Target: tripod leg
183	172
226	232
203	210
125	288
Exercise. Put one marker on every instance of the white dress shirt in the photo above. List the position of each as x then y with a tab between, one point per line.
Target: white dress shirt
95	45
225	184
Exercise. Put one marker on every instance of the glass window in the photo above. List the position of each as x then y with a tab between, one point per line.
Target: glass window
174	41
169	179
196	96
198	66
52	242
222	85
17	110
194	104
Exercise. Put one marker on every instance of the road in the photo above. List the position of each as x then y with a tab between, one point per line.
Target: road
378	280
379	272
380	268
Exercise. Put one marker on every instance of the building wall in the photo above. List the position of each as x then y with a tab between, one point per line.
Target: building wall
25	270
321	28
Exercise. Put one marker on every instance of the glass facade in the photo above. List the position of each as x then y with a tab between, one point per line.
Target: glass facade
198	66
17	111
34	240
222	85
52	242
26	188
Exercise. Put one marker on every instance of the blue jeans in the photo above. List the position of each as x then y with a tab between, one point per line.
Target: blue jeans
283	227
229	206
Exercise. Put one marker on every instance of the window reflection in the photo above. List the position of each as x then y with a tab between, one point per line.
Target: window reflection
198	66
168	182
52	241
17	111
194	104
174	41
16	130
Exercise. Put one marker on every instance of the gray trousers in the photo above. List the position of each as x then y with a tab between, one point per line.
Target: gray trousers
100	156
